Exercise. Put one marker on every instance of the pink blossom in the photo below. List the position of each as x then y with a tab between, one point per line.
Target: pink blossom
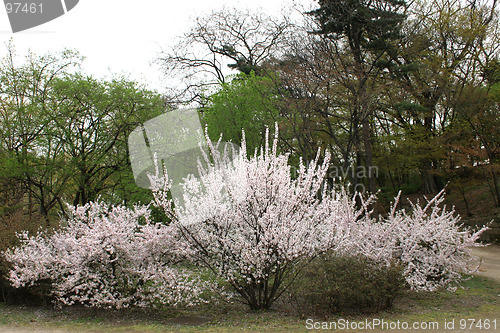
104	257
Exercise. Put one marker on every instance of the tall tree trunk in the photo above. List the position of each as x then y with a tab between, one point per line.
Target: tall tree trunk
428	179
495	188
367	138
428	183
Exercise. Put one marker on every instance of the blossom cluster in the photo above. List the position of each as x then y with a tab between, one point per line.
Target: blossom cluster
106	256
428	241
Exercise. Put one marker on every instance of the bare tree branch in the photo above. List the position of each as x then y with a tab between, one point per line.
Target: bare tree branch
223	40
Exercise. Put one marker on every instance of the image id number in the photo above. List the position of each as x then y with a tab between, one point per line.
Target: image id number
27	8
481	324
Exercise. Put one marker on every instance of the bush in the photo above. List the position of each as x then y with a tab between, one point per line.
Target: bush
338	284
105	256
427	241
14	219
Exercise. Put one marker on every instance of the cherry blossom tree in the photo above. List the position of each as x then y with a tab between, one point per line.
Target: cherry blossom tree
106	256
428	241
253	224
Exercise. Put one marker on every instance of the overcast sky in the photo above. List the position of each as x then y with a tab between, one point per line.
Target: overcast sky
122	36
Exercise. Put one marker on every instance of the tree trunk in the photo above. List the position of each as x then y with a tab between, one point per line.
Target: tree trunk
495	188
428	183
367	138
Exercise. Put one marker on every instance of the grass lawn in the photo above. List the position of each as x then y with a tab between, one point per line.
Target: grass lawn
479	299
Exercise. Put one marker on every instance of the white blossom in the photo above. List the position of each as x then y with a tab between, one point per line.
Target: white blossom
104	257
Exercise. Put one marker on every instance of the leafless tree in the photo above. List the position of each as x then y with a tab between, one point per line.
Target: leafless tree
218	42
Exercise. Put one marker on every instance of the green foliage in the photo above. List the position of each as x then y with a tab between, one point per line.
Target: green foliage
63	135
409	107
369	24
94	118
332	284
491	71
248	102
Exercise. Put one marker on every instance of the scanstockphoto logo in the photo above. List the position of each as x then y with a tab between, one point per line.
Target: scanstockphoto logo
25	15
175	141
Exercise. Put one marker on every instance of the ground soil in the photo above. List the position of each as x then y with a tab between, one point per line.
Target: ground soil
490	266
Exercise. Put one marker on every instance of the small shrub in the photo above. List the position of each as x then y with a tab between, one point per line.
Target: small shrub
105	256
335	284
14	219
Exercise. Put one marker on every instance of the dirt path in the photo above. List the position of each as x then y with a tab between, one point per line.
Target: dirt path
491	261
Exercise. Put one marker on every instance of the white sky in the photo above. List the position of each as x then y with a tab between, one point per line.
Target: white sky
122	36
